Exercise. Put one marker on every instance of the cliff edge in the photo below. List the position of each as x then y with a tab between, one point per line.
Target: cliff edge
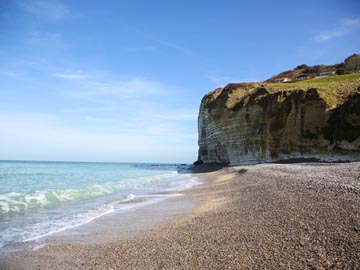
263	122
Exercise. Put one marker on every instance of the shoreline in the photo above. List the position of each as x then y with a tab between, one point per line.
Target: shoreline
275	216
118	223
42	211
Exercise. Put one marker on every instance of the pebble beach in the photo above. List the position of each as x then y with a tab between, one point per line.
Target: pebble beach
266	216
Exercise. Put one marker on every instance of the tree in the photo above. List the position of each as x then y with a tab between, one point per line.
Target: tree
341	71
353	62
301	67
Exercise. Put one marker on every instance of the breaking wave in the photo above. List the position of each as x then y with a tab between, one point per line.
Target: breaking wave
15	202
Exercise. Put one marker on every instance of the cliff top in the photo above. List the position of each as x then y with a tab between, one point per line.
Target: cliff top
333	89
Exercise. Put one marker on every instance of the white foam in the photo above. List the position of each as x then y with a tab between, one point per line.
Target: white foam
187	182
129	197
65	226
151	199
21	202
71	218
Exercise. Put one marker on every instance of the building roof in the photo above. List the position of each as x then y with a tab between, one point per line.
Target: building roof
281	79
328	72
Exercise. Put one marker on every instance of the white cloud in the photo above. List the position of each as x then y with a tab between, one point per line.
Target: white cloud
168	44
46	41
330	35
105	119
88	109
50	9
220	81
95	119
351	22
179	116
136	89
9	74
343	28
70	76
138	48
134	98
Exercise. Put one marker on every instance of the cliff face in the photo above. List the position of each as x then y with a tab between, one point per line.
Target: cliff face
244	123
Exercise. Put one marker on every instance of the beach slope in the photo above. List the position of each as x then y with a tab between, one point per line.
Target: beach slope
266	216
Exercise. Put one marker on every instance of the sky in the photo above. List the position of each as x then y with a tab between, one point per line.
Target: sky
122	80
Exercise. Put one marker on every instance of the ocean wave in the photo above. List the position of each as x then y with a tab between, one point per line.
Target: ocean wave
49	227
60	219
15	202
37	230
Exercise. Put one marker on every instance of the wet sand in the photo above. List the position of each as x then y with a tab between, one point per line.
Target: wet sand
267	216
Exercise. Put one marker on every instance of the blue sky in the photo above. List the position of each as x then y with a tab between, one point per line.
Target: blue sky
123	80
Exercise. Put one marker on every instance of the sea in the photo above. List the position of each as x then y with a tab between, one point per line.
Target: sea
39	198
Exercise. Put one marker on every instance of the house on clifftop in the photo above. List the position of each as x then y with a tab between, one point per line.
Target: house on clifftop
283	79
302	77
327	73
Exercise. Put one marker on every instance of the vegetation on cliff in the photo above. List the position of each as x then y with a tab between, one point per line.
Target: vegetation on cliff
333	89
257	122
350	65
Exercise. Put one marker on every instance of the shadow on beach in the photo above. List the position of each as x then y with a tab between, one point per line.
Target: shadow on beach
203	168
307	160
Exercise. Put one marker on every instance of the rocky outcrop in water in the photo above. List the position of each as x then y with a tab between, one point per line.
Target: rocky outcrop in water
245	123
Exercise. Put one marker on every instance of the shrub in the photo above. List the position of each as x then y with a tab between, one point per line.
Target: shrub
301	67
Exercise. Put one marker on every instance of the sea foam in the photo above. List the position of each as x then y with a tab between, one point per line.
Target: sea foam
38	199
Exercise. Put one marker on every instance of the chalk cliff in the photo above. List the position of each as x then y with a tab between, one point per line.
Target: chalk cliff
253	122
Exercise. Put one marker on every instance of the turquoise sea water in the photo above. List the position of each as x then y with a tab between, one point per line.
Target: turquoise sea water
40	198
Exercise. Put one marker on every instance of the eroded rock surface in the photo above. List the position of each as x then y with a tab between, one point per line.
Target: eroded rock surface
245	123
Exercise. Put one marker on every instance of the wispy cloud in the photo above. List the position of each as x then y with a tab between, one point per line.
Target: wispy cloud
136	88
143	48
167	43
70	76
104	117
220	81
88	110
135	102
95	119
343	28
46	41
9	74
178	116
50	9
351	22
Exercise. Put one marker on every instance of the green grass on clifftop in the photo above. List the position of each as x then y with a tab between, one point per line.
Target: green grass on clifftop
333	89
